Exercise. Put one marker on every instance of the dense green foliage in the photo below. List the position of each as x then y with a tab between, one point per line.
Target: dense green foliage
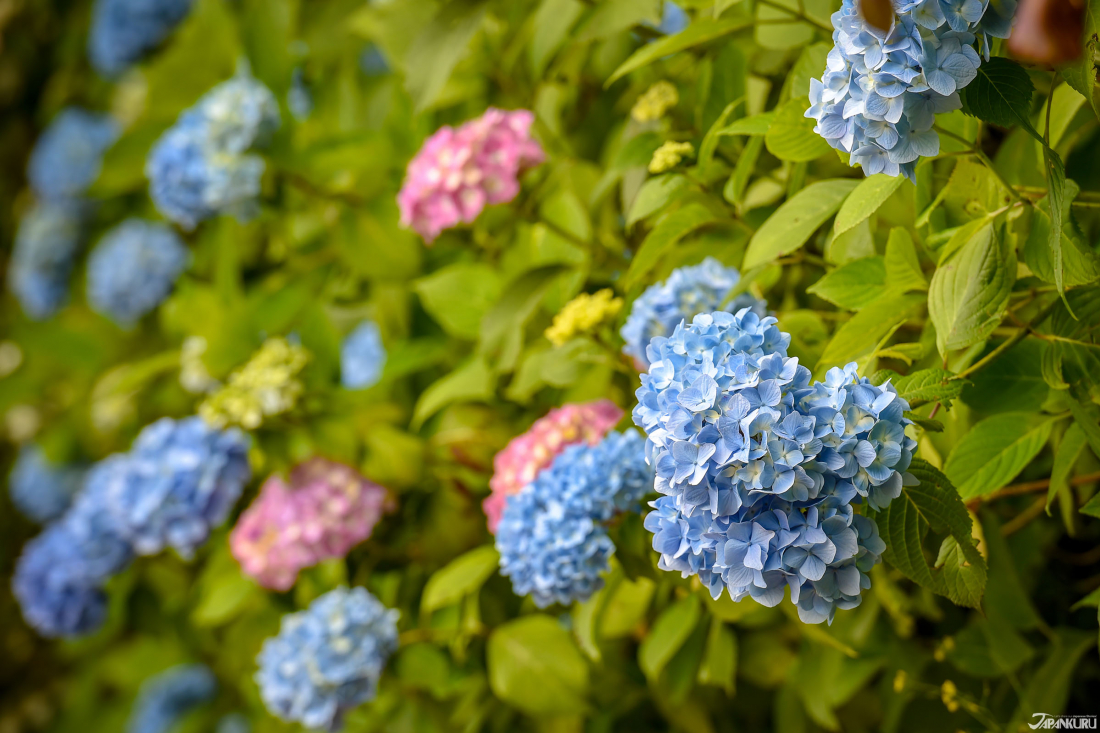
984	611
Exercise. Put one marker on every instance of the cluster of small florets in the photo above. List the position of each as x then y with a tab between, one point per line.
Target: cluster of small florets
66	160
552	537
169	696
123	31
759	469
583	315
690	290
527	454
362	357
201	166
657	100
133	269
267	385
457	173
328	658
39	489
882	89
326	509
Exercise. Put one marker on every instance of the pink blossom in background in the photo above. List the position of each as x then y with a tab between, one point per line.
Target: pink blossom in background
457	173
326	509
527	454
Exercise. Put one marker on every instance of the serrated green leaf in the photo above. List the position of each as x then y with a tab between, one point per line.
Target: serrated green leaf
929	385
791	134
853	284
933	504
861	333
460	577
655	194
1080	266
534	665
796	220
903	271
1085	71
702	30
865	200
1072	353
669	632
995	451
664	236
969	292
1001	94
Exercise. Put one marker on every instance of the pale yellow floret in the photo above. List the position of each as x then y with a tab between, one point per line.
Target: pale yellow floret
658	99
669	155
266	385
582	315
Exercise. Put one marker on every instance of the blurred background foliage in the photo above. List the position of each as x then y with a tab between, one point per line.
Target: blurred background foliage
469	367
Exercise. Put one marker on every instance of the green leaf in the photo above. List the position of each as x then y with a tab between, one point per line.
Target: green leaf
439	46
501	327
778	29
854	284
460	577
1080	264
969	293
1001	94
626	607
534	665
929	385
703	30
669	230
995	451
552	22
616	16
1087	416
668	633
719	665
1048	690
791	134
903	271
861	333
655	194
865	200
1084	74
1072	353
710	140
458	296
734	190
1017	372
1065	458
933	504
757	124
472	381
1092	509
796	220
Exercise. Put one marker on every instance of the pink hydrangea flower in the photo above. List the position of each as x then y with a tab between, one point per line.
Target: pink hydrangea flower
326	509
527	454
457	173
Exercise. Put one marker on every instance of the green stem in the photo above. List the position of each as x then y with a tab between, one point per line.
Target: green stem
796	14
1008	344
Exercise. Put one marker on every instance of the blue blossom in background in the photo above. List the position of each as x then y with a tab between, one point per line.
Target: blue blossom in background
688	290
46	243
881	90
169	696
551	537
328	658
68	155
179	481
133	269
372	62
362	357
759	469
673	19
200	167
123	31
233	723
39	489
299	98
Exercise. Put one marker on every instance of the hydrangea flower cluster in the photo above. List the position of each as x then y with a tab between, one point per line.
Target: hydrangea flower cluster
669	155
179	480
69	154
39	489
583	314
657	100
46	243
169	696
201	166
267	385
688	291
123	31
59	578
328	658
457	173
133	269
527	454
552	540
362	357
759	469
326	509
881	90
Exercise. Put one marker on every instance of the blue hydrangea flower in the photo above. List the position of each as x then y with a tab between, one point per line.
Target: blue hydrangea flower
42	259
169	696
759	469
179	481
673	19
689	290
200	167
133	269
299	98
123	31
68	156
327	659
59	577
362	357
233	723
551	538
881	90
39	489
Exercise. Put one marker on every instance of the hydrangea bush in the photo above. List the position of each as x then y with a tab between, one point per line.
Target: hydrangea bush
323	321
